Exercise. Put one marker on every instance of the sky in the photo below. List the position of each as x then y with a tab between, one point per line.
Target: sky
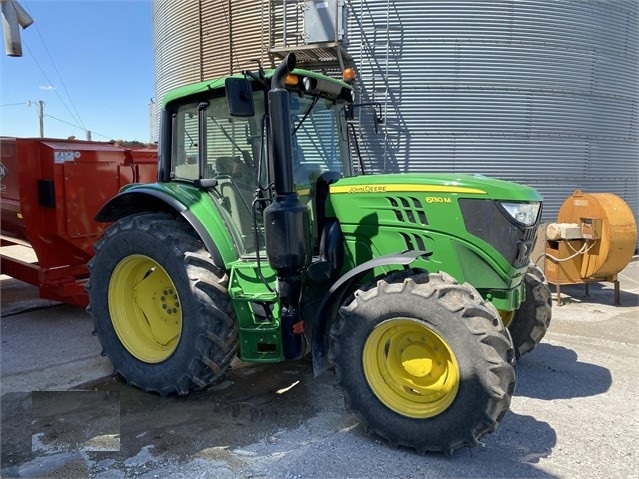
90	62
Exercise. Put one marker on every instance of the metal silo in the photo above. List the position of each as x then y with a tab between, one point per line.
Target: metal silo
176	45
543	92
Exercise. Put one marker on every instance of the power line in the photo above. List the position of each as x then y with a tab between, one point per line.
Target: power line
15	104
63	121
29	103
77	126
50	82
103	136
60	98
77	117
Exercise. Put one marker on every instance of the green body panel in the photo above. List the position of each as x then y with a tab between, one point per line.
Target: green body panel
203	206
373	227
257	308
383	214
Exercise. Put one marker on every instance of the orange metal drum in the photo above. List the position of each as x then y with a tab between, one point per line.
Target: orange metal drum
608	227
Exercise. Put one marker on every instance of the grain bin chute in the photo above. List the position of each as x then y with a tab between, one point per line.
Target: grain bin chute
592	241
13	17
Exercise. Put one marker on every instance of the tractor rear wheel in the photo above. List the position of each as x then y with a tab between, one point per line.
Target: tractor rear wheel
530	322
160	306
424	361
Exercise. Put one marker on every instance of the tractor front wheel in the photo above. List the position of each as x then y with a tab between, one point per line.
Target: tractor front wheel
424	361
530	322
160	306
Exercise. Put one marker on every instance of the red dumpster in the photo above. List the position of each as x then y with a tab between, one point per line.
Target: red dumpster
51	190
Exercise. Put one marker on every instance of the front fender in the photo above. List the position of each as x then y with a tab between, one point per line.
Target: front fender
145	198
335	296
133	201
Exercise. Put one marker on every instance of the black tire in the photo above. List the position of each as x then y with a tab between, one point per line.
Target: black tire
531	320
467	326
200	332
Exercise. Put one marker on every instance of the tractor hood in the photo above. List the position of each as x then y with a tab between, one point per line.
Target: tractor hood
480	228
466	185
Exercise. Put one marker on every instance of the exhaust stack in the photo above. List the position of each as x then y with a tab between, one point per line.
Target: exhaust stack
286	221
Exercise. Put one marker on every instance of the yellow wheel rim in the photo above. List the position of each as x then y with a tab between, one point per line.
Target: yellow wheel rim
507	317
145	309
410	368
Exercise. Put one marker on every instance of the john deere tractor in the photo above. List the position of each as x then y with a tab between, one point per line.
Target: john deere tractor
258	241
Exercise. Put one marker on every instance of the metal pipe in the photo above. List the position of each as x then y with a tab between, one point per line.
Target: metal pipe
202	139
279	113
285	67
14	17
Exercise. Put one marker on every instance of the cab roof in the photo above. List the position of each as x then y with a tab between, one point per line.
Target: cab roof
218	83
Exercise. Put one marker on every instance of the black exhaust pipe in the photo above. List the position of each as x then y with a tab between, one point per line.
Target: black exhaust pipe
279	111
287	221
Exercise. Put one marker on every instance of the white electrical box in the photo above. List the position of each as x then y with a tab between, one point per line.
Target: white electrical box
563	231
323	21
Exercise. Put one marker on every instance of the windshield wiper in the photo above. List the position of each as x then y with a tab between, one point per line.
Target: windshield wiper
308	110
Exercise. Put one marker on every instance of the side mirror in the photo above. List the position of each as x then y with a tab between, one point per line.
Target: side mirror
239	96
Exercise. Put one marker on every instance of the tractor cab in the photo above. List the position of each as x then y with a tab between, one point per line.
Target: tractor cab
219	136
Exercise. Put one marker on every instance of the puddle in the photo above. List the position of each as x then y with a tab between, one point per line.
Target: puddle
68	421
108	419
247	403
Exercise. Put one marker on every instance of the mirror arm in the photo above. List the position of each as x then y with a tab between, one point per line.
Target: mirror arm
378	119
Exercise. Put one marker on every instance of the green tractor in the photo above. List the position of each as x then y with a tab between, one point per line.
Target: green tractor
258	241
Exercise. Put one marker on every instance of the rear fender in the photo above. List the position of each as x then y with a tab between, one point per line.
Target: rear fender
129	203
340	290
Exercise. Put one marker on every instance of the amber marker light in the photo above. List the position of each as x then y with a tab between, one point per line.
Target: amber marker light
348	75
291	80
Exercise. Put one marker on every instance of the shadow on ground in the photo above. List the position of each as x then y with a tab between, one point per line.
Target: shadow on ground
555	365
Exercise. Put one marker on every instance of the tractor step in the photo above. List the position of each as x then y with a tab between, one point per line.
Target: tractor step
257	310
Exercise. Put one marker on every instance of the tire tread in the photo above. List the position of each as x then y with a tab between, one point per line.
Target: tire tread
465	304
216	329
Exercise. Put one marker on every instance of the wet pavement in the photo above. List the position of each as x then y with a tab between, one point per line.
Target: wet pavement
574	412
107	419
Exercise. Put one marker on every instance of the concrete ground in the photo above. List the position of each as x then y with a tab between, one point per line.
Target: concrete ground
574	414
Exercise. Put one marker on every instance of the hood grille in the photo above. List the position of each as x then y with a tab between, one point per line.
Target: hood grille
408	210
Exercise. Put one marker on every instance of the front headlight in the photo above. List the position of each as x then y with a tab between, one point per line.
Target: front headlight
523	213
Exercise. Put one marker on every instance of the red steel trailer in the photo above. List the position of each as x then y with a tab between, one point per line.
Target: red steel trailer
50	191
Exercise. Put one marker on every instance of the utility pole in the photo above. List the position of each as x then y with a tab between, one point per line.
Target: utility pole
41	117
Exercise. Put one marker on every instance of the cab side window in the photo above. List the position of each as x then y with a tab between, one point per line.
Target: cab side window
185	151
